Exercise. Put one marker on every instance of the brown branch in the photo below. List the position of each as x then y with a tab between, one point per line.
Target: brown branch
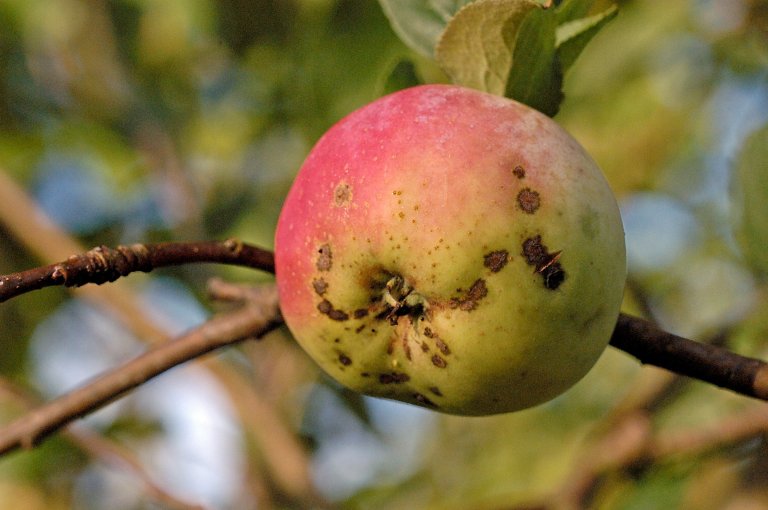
705	362
103	264
252	320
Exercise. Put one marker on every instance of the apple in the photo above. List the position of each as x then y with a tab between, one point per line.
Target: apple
451	249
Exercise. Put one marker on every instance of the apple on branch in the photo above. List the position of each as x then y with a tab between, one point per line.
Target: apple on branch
451	249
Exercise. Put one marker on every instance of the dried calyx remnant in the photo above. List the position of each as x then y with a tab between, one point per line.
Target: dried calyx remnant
545	263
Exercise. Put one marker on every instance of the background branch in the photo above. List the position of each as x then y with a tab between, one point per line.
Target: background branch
254	319
103	264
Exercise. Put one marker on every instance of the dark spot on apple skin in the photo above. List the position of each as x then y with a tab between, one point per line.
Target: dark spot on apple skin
438	361
344	359
338	315
472	297
553	276
545	263
394	378
406	348
326	308
442	346
342	195
324	258
428	332
421	399
320	286
528	200
436	391
534	251
519	172
364	374
360	313
496	260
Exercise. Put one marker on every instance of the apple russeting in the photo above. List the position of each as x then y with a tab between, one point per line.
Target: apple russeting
451	249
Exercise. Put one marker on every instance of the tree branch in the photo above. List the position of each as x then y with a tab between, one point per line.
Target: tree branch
705	362
252	320
103	264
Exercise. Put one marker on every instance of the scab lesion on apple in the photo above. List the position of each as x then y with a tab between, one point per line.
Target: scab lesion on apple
528	200
342	195
496	260
545	263
324	258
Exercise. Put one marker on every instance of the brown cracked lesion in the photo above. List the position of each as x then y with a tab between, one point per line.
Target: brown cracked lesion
545	263
394	378
440	345
471	298
324	258
528	200
326	308
342	195
496	260
519	172
320	286
439	361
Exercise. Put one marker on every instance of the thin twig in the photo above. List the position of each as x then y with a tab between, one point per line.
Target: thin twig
250	321
103	264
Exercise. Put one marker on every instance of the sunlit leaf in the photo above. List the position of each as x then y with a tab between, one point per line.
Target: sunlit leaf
518	48
477	47
419	23
573	36
751	191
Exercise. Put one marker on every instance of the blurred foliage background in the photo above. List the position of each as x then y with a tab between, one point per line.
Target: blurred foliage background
150	120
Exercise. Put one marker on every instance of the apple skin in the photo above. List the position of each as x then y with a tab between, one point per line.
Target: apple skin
451	249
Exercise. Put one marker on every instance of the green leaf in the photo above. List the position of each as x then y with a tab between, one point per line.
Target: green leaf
536	78
419	23
401	76
573	9
751	193
478	44
572	36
